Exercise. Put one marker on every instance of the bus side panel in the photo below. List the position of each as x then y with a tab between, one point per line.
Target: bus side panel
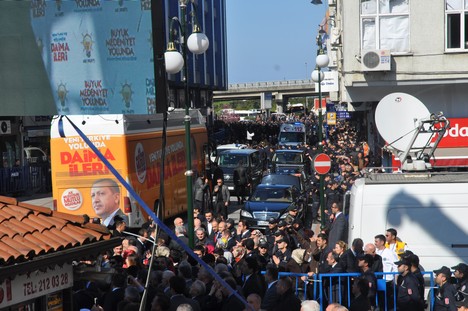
144	153
75	167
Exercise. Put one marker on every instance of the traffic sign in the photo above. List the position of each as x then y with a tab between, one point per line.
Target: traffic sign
322	163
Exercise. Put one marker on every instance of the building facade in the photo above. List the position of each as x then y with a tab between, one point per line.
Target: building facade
379	47
27	103
207	72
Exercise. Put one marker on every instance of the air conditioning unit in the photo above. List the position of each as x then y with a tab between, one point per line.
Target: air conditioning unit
5	127
331	2
376	60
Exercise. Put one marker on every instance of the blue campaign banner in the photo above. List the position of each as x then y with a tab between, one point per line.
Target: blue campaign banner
98	55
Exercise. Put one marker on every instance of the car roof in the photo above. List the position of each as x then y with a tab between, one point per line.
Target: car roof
232	146
289	151
238	151
274	186
281	176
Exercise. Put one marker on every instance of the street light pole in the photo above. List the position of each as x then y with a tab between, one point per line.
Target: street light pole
197	43
321	61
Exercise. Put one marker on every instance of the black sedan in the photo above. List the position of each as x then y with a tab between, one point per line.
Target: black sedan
272	201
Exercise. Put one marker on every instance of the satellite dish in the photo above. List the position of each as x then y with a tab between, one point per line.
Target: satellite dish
397	116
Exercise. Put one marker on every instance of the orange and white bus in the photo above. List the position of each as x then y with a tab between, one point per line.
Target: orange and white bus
133	145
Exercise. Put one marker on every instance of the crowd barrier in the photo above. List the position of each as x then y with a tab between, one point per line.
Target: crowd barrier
25	180
317	288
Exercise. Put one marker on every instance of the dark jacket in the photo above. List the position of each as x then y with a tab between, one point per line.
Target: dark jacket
254	284
271	298
408	293
288	301
445	298
338	230
232	303
360	303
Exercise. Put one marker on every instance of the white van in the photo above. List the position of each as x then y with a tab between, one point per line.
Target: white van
225	147
428	210
34	154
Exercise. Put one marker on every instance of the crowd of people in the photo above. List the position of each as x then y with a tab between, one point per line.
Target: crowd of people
238	256
155	270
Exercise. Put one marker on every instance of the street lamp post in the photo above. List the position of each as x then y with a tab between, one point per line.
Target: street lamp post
197	43
321	61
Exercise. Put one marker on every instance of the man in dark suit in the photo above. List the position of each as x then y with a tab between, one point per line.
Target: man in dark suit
243	231
230	302
117	292
339	226
178	289
221	199
348	261
288	299
180	232
105	198
271	298
333	282
253	282
241	182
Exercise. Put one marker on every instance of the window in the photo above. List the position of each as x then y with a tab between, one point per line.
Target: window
456	12
385	25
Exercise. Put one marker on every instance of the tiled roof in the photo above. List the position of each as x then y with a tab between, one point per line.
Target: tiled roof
28	232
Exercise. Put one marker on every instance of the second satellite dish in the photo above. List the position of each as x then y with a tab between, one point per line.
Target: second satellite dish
397	116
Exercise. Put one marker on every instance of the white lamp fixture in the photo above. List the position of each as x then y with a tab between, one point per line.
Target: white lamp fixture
173	59
317	76
322	60
198	42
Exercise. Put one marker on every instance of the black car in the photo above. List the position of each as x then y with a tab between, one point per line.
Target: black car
228	160
290	161
272	201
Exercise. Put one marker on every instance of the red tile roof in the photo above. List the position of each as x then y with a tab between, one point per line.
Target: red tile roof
28	231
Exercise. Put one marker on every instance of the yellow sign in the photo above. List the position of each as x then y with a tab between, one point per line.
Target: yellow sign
331	118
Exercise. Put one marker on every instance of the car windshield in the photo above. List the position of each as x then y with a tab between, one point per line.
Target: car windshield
282	180
231	160
288	158
291	137
271	195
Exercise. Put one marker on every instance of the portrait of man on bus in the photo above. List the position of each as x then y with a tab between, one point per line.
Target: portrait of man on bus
105	197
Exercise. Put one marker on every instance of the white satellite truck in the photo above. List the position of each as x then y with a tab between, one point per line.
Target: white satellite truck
428	209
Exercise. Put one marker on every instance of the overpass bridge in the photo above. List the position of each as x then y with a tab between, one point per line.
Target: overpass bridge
279	91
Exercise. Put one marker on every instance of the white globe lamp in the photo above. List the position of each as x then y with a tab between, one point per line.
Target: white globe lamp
317	75
198	43
173	59
322	60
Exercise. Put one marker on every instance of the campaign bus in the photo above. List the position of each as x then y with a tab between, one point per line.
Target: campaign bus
133	145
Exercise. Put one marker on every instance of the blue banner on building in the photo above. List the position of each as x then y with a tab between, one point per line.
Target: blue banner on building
98	55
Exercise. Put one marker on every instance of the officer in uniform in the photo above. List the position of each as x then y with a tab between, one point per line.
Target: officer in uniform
461	274
445	294
407	290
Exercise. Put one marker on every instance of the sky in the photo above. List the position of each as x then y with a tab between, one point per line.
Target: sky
272	40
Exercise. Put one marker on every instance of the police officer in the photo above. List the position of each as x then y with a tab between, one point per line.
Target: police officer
407	289
461	274
445	295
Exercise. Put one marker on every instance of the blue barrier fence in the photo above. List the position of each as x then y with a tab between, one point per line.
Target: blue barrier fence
25	180
318	288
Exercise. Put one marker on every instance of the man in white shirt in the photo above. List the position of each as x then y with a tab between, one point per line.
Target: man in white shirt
389	257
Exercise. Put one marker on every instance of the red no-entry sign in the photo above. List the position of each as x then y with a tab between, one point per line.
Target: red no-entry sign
322	163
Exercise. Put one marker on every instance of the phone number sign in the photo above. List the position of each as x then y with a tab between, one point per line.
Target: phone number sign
29	286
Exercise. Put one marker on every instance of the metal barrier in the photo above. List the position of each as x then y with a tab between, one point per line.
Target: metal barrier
28	179
341	284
